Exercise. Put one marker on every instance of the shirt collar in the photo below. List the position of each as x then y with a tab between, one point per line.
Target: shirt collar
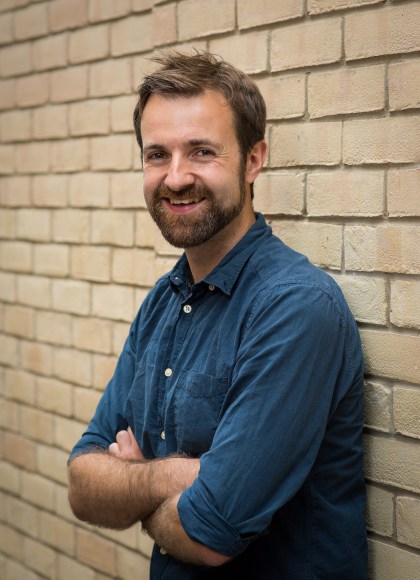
225	274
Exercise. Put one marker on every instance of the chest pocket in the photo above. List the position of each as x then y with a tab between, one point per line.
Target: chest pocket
198	403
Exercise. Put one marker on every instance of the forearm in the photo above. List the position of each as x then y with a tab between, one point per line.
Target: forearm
165	527
107	491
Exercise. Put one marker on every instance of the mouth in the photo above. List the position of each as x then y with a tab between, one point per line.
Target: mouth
182	206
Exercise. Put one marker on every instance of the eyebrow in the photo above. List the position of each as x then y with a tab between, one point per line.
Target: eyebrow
190	142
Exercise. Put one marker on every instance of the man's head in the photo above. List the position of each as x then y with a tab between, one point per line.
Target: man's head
187	76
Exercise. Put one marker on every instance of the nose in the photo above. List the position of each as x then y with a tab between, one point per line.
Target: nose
179	174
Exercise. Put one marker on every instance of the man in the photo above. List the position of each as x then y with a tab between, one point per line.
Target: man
232	428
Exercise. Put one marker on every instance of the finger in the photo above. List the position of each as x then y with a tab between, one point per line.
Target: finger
124	440
114	449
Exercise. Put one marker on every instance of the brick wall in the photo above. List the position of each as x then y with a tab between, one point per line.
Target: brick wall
79	252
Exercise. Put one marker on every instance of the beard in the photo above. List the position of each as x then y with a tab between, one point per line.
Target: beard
190	230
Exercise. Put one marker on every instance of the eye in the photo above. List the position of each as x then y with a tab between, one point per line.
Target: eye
204	153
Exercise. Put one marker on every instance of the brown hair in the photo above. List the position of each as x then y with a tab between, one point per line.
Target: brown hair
191	75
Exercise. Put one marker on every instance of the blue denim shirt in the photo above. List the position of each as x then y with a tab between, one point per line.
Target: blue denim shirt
257	370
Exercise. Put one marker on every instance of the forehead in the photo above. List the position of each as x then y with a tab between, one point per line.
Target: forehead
207	115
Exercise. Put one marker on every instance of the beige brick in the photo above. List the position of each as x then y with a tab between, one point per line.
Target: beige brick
9	477
36	424
134	267
122	113
405	303
67	432
145	544
125	37
50	52
54	395
50	122
164	25
7	93
34	224
393	462
113	152
200	18
62	507
90	117
71	296
57	533
120	332
92	334
7	287
346	91
279	193
69	569
19	320
31	22
68	156
126	190
90	263
366	296
36	357
15	191
73	366
408	521
22	516
34	291
88	44
49	190
16	256
89	190
107	9
404	85
284	96
9	419
11	542
71	225
16	570
113	227
319	6
38	490
391	355
53	327
309	43
306	144
251	13
85	403
6	4
132	565
52	463
7	223
407	411
15	126
390	562
403	192
67	14
96	552
388	30
379	511
385	140
20	451
142	5
6	28
378	401
164	264
320	242
146	230
383	248
7	164
113	301
32	90
51	259
70	84
346	193
16	59
33	158
20	386
127	538
112	77
39	557
248	51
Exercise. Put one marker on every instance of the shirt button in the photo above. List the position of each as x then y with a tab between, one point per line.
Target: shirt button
211	287
163	436
162	551
168	372
187	309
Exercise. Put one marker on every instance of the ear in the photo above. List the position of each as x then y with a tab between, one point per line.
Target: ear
255	161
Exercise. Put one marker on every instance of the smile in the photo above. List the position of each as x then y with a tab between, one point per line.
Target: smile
182	206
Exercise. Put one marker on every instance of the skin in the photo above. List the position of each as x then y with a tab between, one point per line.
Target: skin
188	143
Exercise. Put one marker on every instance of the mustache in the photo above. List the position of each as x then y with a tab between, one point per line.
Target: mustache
195	191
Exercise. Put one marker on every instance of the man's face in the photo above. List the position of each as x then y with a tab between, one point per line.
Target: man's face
194	176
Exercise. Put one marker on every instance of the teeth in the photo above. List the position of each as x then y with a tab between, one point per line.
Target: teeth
182	202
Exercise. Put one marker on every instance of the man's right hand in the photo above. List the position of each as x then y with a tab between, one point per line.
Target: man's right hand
125	446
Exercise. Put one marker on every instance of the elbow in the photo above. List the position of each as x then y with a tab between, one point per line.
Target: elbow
213	559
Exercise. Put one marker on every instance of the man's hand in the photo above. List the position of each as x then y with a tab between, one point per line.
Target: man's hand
126	447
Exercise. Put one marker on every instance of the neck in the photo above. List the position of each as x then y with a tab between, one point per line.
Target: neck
204	258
